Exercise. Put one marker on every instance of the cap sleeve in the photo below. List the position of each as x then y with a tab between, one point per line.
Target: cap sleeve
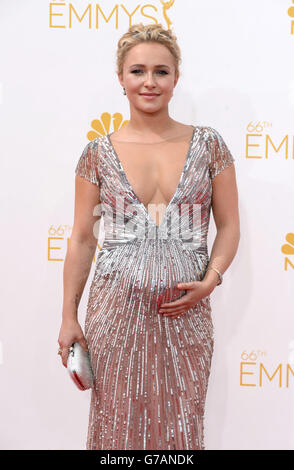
220	156
87	166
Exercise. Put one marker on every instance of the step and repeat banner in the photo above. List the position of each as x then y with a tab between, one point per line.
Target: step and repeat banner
58	91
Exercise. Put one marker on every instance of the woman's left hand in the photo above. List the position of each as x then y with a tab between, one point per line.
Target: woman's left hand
196	290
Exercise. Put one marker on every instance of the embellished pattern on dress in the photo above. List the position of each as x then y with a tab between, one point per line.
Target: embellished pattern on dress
151	372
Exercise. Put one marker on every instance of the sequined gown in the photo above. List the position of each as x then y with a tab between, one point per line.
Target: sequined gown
151	372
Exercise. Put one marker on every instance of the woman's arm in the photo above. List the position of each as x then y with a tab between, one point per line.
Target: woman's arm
226	216
79	256
82	246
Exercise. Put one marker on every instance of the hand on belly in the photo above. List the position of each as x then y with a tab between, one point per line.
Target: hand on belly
194	292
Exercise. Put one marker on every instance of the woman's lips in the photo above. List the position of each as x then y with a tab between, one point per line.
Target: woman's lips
149	96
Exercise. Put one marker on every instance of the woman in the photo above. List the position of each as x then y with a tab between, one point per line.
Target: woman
148	326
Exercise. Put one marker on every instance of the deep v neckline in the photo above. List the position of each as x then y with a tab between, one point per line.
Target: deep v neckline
132	189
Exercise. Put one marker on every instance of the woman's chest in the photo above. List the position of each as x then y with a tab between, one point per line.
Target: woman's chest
149	175
153	171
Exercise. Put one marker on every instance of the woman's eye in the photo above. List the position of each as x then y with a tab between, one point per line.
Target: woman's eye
138	70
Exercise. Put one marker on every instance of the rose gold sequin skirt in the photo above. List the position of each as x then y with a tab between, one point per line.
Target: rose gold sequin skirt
151	372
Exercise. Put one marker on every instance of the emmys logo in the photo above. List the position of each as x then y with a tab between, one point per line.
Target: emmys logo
66	14
291	14
257	134
288	249
260	373
58	240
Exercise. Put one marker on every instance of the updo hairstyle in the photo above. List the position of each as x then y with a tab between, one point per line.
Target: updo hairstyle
139	33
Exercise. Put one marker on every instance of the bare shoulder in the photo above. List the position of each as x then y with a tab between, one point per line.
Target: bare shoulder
120	134
181	130
183	127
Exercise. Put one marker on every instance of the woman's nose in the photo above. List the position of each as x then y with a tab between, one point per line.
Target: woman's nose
149	78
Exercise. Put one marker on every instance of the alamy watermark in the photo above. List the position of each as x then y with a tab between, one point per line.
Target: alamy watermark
123	220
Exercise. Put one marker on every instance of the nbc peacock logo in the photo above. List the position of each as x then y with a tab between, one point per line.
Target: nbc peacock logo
288	249
291	14
100	127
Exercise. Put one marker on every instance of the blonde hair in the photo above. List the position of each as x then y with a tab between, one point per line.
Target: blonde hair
139	33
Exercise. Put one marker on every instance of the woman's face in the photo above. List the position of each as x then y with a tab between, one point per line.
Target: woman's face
149	68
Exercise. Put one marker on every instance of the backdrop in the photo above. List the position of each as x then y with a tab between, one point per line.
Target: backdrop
59	90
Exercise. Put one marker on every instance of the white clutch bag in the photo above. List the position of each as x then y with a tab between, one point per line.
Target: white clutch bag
79	367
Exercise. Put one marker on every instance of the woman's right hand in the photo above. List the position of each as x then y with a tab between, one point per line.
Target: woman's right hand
70	332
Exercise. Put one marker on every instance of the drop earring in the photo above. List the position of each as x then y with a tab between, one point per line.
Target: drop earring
124	92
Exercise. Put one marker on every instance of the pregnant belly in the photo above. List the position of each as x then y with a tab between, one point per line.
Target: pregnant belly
149	272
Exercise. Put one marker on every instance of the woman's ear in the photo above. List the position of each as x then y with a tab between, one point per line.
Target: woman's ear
120	79
176	79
